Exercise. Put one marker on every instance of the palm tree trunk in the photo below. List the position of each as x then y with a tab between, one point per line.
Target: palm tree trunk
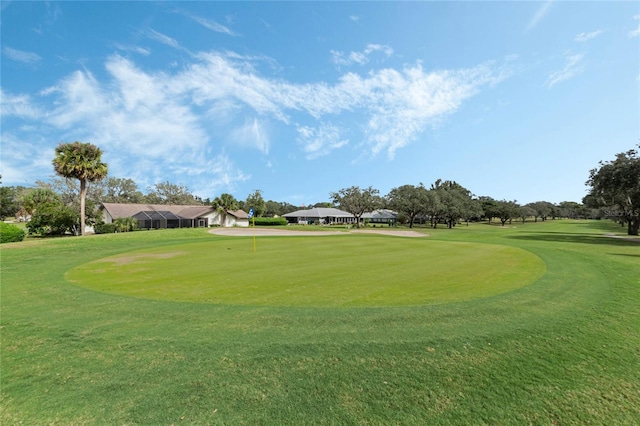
83	195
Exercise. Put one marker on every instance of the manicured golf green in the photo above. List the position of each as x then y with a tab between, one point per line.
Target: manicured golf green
344	270
184	327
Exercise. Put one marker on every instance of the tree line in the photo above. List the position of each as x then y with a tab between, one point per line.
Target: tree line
62	204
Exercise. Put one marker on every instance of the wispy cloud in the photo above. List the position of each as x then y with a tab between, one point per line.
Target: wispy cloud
584	37
540	13
252	134
29	58
180	120
162	38
131	48
320	141
361	58
636	32
22	158
209	24
572	67
18	106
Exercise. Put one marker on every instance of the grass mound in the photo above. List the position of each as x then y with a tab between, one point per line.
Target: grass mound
314	271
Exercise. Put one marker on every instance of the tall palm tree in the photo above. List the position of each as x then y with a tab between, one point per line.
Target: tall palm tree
224	203
81	161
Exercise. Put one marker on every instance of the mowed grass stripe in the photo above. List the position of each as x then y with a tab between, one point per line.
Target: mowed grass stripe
314	271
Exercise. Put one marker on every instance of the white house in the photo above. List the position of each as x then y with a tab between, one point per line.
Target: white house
160	216
321	215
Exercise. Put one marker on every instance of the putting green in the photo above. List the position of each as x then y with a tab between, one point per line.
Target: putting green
323	271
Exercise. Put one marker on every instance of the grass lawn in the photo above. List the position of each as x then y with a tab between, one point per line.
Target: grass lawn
346	270
530	324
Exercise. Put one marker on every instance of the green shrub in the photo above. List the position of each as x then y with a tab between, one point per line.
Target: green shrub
105	228
54	219
268	221
126	224
10	233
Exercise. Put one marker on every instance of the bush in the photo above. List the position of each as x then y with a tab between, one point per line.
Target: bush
53	219
105	228
126	224
10	233
268	221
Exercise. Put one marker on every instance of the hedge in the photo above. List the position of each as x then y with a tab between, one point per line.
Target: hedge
105	228
268	221
10	233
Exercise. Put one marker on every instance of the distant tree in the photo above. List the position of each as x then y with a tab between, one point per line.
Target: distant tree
255	201
616	185
489	207
170	193
9	200
357	201
223	204
542	209
507	211
53	219
409	200
69	191
82	161
121	190
472	210
33	198
455	200
434	207
49	215
526	212
572	210
275	208
323	204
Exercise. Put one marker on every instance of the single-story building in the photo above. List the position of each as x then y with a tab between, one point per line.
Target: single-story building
320	215
160	216
381	216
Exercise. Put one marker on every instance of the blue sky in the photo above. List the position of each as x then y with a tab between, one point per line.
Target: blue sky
514	100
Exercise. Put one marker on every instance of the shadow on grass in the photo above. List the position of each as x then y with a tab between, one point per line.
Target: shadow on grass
624	254
576	238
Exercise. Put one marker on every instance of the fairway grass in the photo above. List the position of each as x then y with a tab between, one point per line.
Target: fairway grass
308	271
564	349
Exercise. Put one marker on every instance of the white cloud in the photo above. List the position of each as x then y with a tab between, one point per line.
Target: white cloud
21	56
572	67
220	173
80	98
17	106
136	49
162	38
583	37
251	134
22	158
636	32
211	24
152	123
360	58
537	17
397	105
320	141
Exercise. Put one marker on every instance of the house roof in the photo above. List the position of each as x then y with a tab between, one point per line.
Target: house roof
117	210
319	212
381	214
238	214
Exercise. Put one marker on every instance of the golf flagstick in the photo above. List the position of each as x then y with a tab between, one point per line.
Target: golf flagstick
253	219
